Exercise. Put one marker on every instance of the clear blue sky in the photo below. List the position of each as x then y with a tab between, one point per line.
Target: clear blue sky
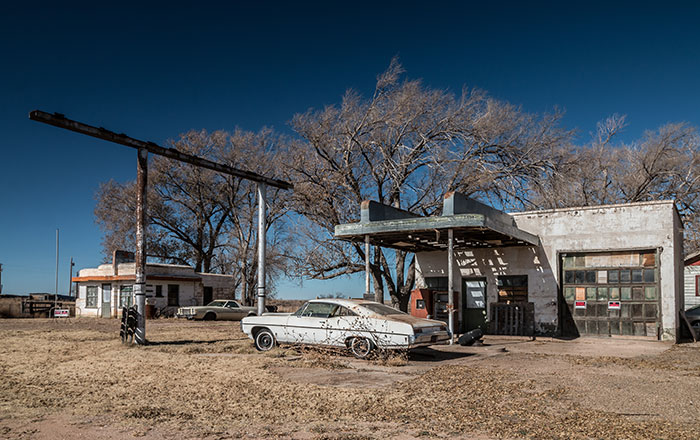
156	71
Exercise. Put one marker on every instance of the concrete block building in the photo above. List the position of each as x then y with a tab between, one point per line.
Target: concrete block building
104	290
614	270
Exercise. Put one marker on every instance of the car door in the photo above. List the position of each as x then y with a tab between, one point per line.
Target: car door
340	325
309	325
234	311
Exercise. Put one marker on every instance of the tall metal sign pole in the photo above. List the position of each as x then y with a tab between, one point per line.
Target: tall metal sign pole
261	248
59	120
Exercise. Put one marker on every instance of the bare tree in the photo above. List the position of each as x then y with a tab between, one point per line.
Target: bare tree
662	165
199	217
406	146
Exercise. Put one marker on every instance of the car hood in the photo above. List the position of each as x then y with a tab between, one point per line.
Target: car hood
414	321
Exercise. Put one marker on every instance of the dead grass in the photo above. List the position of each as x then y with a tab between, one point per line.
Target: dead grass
205	378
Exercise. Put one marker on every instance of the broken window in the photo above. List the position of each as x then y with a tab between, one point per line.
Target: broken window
513	288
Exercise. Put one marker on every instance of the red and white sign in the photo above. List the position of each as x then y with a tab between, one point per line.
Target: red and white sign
61	313
579	304
614	305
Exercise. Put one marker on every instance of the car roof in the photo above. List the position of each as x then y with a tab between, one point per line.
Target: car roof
348	302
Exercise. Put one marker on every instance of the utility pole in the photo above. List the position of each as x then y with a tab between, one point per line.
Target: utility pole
0	278
55	293
70	278
60	121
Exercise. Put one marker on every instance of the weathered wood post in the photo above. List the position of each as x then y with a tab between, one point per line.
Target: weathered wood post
140	284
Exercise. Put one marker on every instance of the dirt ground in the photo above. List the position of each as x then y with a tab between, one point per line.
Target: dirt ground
73	379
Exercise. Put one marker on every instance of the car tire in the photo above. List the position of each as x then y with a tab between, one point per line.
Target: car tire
210	316
264	340
360	347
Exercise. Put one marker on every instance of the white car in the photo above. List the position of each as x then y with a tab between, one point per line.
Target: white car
358	325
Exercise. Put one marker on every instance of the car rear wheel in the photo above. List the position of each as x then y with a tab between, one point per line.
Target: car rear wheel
211	316
264	340
360	347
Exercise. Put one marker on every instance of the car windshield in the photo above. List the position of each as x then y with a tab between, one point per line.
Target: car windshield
381	309
216	304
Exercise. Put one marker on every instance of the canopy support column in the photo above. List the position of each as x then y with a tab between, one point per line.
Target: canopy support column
450	284
367	269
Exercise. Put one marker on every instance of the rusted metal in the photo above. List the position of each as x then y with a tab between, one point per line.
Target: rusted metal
59	120
261	248
140	284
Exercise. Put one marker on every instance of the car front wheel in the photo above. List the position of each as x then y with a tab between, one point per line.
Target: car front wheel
264	340
360	347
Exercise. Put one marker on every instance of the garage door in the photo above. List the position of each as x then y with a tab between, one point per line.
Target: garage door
614	293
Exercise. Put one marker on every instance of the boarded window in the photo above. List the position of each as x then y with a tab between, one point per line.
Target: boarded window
91	297
173	295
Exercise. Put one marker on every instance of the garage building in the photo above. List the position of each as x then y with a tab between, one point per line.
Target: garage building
614	270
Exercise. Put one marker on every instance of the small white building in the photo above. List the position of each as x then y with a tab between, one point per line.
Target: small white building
104	290
692	280
600	270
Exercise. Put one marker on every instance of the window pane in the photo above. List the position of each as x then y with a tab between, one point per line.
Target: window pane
580	276
569	277
580	261
650	292
590	277
637	276
625	292
624	276
637	294
602	276
590	293
649	259
568	262
613	276
614	293
580	294
91	296
569	293
649	275
602	293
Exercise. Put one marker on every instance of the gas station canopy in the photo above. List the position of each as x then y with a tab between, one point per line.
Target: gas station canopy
474	225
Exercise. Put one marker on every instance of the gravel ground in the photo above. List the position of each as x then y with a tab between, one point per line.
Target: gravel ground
73	379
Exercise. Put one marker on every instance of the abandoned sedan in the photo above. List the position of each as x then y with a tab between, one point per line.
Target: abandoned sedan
221	309
359	325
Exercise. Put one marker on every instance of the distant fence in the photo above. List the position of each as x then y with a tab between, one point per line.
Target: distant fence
29	307
515	319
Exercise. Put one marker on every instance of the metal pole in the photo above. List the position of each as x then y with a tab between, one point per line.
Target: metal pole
0	278
261	248
55	293
450	284
140	285
367	268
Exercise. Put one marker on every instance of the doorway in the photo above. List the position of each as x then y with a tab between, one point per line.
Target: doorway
208	295
474	304
106	301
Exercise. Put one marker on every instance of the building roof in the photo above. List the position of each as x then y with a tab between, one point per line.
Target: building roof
473	224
